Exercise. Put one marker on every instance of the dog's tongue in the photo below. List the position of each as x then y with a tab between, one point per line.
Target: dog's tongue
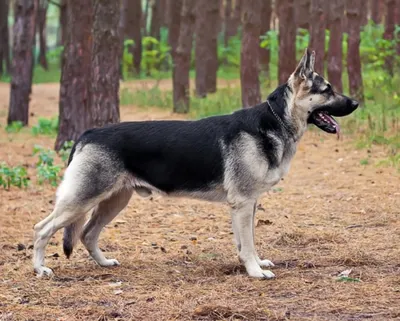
331	120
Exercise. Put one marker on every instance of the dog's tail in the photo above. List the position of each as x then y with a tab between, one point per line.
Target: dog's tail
72	233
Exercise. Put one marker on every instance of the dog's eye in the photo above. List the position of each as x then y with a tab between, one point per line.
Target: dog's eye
327	90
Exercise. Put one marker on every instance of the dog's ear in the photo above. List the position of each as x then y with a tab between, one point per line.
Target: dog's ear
305	67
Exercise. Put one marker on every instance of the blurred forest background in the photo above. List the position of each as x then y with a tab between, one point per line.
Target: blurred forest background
88	46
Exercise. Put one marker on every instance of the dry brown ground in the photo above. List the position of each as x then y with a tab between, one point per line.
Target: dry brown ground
328	215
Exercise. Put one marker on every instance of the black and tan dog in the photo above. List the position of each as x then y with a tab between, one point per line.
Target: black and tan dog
231	158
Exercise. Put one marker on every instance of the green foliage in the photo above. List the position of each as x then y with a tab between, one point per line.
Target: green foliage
155	55
66	150
14	127
54	55
46	127
46	171
13	176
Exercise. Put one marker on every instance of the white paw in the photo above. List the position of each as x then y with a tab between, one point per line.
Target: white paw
268	274
265	263
110	262
43	271
261	274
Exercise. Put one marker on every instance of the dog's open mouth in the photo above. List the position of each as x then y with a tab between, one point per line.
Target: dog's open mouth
326	122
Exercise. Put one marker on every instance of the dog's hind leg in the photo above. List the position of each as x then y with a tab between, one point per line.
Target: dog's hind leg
260	262
105	212
242	219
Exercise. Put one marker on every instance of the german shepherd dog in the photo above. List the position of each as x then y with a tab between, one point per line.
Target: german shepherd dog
231	158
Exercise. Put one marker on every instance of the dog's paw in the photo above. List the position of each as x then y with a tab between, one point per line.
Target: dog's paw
260	274
268	274
266	263
43	271
110	262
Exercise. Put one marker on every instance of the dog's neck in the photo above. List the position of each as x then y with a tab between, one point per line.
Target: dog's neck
280	103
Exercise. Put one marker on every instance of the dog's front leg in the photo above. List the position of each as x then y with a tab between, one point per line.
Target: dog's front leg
259	261
242	220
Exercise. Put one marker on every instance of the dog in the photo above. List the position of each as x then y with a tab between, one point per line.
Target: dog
231	158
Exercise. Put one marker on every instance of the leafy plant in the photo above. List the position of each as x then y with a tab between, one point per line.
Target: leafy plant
45	169
66	150
14	127
155	55
13	176
46	127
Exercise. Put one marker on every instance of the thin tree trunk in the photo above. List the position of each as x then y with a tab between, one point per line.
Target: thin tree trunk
75	112
41	25
104	90
236	18
205	46
302	9
123	14
397	22
376	12
317	33
21	80
214	21
133	31
163	12
249	63
335	51
155	19
227	21
353	16
264	53
181	83
62	27
287	40
390	21
174	10
145	17
4	37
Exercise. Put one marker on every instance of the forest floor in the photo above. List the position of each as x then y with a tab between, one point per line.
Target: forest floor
330	214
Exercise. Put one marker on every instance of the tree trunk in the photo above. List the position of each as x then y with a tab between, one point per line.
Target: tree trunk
287	40
123	14
133	31
397	22
376	11
21	80
390	21
180	75
104	90
145	17
41	25
353	16
4	37
249	53
227	21
236	18
174	10
335	53
155	19
62	27
264	53
303	13
75	112
317	33
214	21
163	13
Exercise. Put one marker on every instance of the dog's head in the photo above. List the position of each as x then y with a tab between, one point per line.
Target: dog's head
314	100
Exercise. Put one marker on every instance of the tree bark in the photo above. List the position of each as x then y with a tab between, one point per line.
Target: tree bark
206	47
21	80
236	18
317	34
249	64
390	21
264	53
41	25
104	89
353	16
75	112
227	21
155	19
287	40
123	14
145	17
303	13
335	53
133	31
4	37
174	10
180	75
376	11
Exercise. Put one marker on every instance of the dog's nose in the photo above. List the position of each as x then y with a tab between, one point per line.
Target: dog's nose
354	103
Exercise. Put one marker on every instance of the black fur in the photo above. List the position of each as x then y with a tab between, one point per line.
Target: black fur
178	156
